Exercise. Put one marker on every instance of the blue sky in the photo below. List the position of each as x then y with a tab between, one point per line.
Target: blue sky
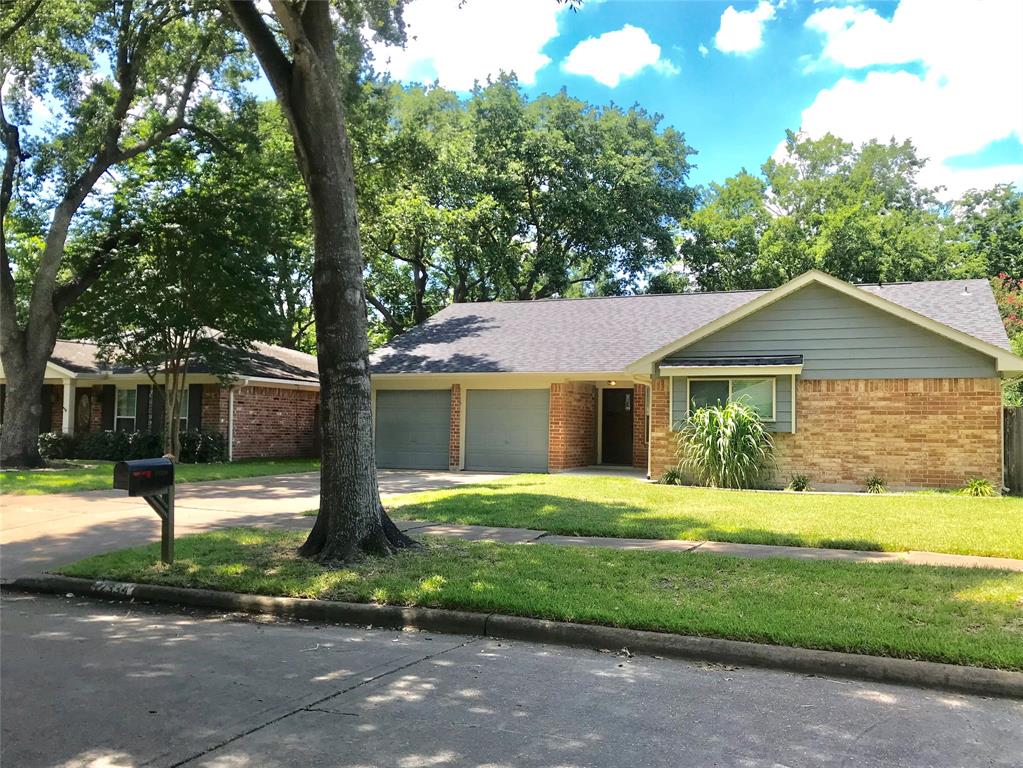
734	76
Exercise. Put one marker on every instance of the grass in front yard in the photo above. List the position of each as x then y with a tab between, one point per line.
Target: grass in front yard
90	475
962	616
625	507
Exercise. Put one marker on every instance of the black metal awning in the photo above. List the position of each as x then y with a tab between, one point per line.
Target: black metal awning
735	361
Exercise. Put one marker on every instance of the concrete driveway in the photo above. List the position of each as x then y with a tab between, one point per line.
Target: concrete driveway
116	685
48	530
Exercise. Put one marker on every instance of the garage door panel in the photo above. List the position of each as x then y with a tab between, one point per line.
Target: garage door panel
507	430
413	428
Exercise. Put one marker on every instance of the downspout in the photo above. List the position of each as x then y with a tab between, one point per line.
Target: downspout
230	424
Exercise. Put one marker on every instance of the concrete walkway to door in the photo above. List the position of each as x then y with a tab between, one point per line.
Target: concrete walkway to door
44	531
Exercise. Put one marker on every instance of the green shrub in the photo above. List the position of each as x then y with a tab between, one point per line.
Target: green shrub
196	447
145	445
875	484
672	476
799	483
978	486
203	448
725	446
56	445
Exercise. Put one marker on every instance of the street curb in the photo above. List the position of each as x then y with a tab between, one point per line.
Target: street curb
925	674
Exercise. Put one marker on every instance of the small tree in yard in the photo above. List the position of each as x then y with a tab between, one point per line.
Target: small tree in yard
194	290
725	446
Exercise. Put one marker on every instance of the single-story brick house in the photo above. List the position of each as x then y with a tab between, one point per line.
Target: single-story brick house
902	380
268	410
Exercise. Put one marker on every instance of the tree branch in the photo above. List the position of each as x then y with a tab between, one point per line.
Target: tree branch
103	254
11	138
21	21
275	64
385	313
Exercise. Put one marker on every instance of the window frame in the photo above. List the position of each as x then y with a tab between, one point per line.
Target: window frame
134	418
183	406
730	379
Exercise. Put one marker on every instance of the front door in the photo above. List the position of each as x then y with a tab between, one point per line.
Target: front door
616	427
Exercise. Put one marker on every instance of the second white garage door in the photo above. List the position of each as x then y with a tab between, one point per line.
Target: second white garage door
506	430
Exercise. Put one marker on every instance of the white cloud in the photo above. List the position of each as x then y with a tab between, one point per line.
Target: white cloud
704	50
967	96
459	43
613	56
743	31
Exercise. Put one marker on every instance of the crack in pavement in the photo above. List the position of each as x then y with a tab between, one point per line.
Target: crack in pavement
312	706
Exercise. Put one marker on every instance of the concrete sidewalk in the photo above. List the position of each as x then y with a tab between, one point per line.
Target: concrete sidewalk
530	536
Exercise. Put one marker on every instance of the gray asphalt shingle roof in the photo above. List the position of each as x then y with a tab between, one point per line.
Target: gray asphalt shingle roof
607	334
263	360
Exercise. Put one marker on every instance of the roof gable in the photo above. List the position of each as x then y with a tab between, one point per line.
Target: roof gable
959	303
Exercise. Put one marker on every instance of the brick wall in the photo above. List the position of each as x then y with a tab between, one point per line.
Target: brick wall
455	440
272	423
573	426
216	409
57	408
662	444
931	433
639	450
96	413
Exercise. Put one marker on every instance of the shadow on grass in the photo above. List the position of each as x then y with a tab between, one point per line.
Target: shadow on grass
571	516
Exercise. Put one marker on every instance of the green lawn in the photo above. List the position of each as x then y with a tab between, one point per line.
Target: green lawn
95	475
624	507
962	616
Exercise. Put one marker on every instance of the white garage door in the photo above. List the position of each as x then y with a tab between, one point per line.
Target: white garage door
506	430
413	428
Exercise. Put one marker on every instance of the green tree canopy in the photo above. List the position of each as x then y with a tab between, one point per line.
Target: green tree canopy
859	213
501	197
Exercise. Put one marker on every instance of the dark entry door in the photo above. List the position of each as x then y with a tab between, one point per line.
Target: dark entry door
616	427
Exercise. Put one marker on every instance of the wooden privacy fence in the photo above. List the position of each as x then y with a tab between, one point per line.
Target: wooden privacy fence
1013	425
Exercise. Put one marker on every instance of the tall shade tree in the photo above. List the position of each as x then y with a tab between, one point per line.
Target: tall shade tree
587	194
502	197
120	79
195	289
991	222
300	46
427	215
856	212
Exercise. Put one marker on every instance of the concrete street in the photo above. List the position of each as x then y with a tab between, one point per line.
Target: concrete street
108	684
45	531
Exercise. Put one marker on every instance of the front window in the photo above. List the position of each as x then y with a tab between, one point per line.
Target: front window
125	413
757	393
183	412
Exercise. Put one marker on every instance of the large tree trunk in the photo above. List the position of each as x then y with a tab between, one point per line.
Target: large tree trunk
351	520
25	371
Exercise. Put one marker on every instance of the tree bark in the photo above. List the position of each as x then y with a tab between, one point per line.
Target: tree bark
351	520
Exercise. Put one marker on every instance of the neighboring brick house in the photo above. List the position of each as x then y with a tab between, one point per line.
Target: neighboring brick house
268	409
901	380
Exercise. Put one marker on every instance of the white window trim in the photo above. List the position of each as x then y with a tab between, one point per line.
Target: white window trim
135	416
774	391
183	420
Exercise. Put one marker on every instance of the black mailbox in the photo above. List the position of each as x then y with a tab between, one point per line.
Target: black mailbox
144	477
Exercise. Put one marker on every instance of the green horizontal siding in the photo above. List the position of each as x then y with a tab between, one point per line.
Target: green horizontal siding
782	404
842	338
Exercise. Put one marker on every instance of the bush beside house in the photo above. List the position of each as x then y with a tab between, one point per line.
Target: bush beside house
197	447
